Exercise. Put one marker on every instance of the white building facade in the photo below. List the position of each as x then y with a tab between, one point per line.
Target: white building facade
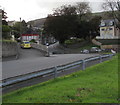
109	30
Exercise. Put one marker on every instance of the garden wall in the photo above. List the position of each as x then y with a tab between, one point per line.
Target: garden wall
9	49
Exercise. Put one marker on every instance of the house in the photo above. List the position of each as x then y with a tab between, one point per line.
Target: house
29	37
12	23
109	34
109	29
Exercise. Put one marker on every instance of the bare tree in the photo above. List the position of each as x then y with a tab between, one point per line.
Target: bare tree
114	6
82	8
65	10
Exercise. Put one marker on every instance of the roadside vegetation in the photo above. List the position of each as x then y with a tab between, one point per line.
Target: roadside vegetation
76	45
7	40
79	43
96	84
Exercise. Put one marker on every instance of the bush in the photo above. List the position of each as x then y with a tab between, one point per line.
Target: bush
71	41
33	41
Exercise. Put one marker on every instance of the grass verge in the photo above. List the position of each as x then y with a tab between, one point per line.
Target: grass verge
97	84
7	41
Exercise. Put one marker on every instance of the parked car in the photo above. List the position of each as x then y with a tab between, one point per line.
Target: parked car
95	49
25	44
85	51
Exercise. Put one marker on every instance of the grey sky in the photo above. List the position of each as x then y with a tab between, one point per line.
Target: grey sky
35	9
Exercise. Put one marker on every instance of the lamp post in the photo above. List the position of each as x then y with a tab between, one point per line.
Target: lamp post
42	35
20	28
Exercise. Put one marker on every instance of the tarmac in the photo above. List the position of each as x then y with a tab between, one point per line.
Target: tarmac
23	66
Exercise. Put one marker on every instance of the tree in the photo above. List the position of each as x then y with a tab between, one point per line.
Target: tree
19	28
5	28
114	6
69	21
4	17
30	30
83	30
5	32
84	16
61	24
23	27
65	10
16	29
83	10
94	26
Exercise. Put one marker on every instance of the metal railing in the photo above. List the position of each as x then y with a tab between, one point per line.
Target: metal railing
55	70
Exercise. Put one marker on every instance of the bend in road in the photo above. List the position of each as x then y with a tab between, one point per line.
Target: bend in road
24	66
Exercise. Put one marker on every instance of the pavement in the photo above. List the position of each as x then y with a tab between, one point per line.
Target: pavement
34	63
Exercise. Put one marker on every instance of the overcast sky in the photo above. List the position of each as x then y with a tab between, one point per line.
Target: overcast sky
35	9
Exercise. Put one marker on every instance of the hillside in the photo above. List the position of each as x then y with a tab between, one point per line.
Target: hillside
37	23
40	22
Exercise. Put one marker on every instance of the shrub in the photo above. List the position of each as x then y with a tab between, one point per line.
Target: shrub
33	40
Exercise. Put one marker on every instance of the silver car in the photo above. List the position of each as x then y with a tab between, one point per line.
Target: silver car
95	49
85	51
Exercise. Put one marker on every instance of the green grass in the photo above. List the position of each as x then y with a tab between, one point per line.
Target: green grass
77	44
97	84
88	46
73	41
7	40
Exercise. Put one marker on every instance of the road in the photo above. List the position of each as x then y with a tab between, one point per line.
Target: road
29	54
32	62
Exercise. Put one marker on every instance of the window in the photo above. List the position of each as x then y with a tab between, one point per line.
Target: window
102	29
111	23
102	23
110	28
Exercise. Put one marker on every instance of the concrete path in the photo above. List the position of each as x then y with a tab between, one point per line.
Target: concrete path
23	66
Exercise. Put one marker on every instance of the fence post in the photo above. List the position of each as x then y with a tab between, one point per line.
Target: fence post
100	58
55	72
83	64
110	56
47	53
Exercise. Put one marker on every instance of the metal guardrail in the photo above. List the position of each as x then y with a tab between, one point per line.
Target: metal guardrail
54	70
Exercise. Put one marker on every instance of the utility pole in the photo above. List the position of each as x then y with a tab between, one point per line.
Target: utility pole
20	28
41	35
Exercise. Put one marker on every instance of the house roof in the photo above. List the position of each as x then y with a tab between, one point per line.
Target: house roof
108	22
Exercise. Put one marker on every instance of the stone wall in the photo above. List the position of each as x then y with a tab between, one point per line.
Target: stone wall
42	48
39	47
96	42
114	47
9	49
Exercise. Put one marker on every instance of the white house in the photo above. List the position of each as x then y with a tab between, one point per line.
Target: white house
109	30
109	35
11	23
29	37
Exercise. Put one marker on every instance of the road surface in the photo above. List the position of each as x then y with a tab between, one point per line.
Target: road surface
35	63
29	54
